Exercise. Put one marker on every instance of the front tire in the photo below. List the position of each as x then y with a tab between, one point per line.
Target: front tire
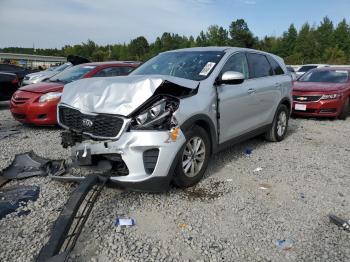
194	158
345	110
279	126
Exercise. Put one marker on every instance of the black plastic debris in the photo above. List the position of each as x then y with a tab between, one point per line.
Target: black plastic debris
70	222
29	164
7	133
12	198
340	222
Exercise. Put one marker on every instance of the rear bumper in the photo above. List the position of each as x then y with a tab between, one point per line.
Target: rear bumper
132	147
32	112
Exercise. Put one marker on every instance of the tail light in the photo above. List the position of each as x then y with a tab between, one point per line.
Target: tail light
15	81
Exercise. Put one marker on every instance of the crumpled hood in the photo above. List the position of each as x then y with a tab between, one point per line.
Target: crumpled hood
119	95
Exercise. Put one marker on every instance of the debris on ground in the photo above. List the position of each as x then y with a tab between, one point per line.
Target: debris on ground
14	197
285	244
71	221
248	151
183	226
340	222
264	186
302	195
258	169
7	133
29	164
125	222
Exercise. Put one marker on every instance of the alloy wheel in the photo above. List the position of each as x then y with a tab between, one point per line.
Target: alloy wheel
193	156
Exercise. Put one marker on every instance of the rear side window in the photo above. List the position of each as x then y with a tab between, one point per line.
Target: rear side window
114	71
237	63
277	69
259	66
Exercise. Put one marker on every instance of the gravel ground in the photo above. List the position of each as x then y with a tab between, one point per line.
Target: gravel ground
234	214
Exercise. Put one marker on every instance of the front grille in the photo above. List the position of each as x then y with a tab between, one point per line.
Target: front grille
19	100
150	158
306	98
101	125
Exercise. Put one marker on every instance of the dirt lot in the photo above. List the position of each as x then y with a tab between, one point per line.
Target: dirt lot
234	214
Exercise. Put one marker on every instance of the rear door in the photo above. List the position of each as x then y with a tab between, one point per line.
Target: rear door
236	102
266	88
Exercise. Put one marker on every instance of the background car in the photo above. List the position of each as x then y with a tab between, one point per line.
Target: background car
37	77
8	85
14	69
292	73
322	92
305	68
37	103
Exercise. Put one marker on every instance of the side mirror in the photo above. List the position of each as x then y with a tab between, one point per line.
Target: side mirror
231	78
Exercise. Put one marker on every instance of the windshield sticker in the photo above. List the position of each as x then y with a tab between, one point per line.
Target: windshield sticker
89	67
207	68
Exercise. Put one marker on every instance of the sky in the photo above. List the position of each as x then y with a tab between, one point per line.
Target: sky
55	23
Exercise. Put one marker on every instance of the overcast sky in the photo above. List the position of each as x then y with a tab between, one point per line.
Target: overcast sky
51	23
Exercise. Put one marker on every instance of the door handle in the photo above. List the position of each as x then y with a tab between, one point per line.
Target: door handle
251	90
278	85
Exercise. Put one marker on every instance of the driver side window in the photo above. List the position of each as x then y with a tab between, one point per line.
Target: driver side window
238	63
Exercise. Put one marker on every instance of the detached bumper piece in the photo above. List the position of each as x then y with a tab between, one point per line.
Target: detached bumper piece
12	198
70	222
29	164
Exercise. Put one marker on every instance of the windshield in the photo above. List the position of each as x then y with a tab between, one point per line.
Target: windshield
195	65
61	67
326	76
72	74
306	68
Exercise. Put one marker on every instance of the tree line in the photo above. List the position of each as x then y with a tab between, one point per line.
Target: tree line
322	43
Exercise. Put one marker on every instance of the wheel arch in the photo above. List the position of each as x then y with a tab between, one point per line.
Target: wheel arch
207	124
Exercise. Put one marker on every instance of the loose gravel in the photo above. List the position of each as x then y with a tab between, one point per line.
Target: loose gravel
236	213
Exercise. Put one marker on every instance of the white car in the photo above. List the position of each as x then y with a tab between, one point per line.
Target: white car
43	75
305	68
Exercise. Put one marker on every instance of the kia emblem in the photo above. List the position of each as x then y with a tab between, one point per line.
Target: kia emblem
87	122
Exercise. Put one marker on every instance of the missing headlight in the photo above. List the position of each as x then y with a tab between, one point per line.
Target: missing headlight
157	115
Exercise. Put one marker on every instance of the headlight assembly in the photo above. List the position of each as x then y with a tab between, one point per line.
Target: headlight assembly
158	115
330	97
50	96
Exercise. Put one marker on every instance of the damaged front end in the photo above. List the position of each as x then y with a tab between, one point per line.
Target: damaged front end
137	140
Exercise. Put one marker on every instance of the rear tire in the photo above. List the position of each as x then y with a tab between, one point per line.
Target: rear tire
345	110
279	126
194	158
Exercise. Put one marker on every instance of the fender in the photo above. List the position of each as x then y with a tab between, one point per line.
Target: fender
205	122
285	100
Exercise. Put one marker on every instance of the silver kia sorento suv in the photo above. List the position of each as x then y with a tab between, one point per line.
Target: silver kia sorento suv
161	123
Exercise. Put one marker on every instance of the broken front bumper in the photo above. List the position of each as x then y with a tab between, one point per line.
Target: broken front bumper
150	157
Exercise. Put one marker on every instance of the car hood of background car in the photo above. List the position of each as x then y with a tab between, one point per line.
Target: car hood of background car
120	95
318	87
43	73
43	87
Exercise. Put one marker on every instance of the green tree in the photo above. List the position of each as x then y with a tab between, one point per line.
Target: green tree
342	38
216	36
240	34
306	45
324	35
334	55
138	48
